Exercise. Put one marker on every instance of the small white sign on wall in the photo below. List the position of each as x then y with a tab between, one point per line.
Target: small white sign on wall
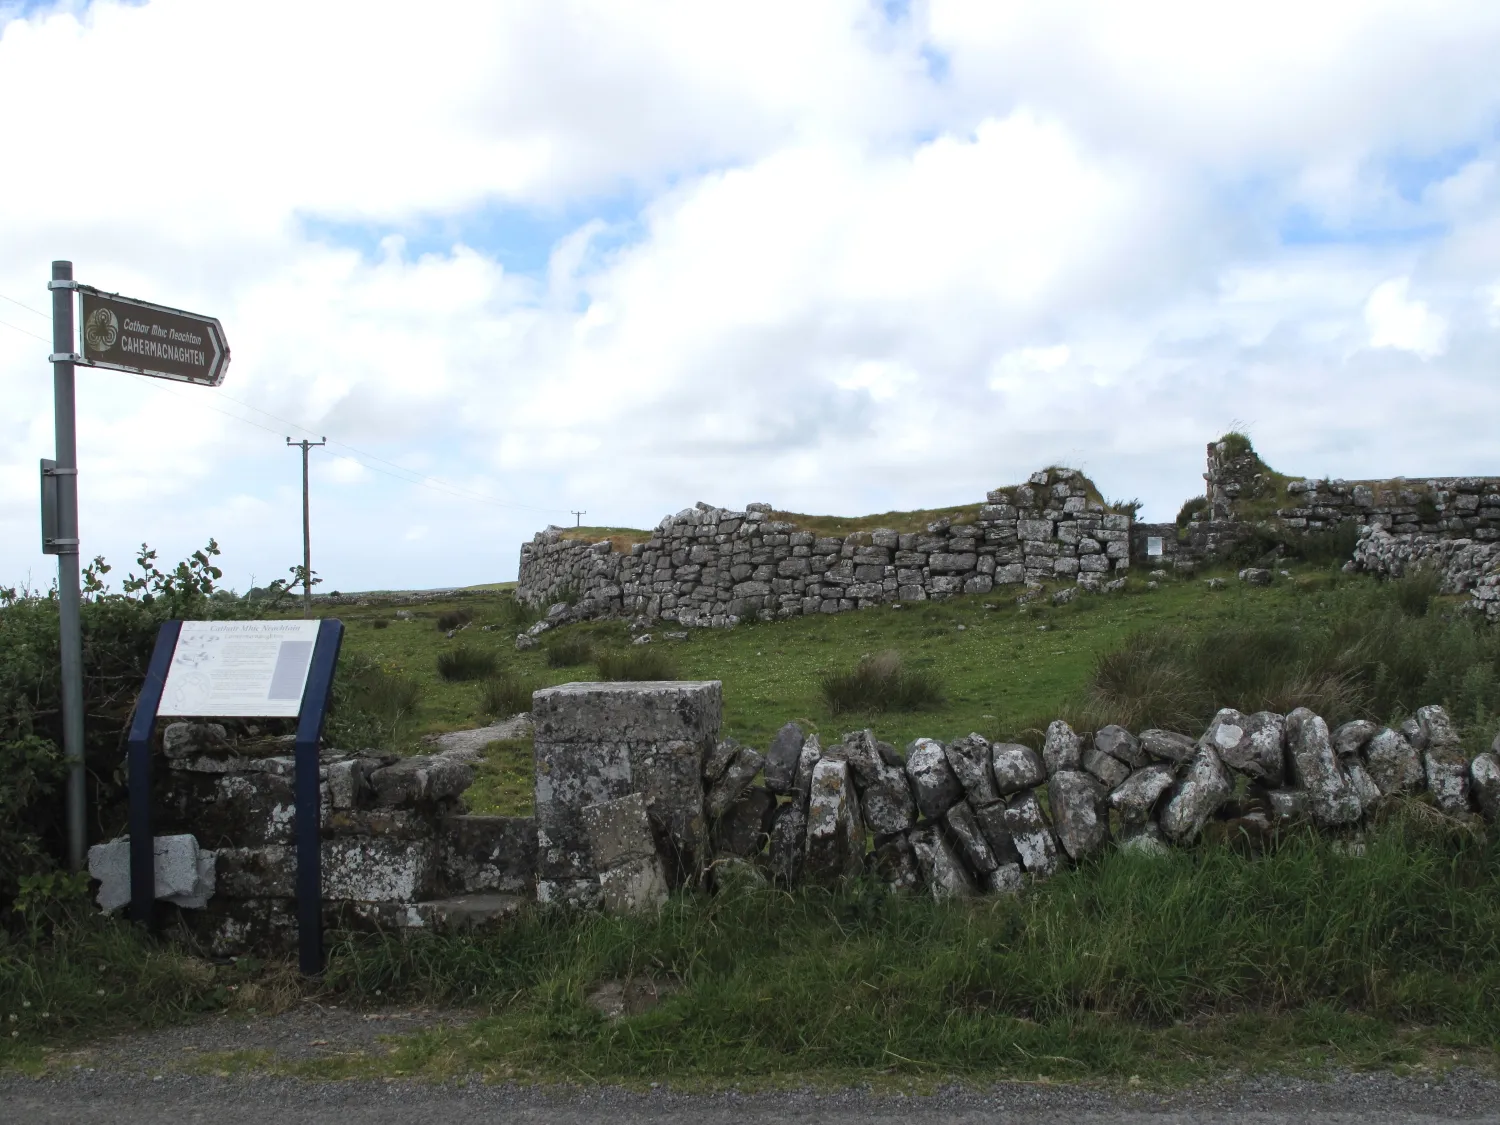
249	669
1153	546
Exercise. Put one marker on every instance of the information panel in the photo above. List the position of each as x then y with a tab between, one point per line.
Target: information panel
249	669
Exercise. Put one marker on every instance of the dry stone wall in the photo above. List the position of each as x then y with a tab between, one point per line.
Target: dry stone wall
710	566
636	794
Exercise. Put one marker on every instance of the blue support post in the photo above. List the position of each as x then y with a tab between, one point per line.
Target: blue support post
316	696
138	758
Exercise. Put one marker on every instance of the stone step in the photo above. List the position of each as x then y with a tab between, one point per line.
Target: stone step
469	912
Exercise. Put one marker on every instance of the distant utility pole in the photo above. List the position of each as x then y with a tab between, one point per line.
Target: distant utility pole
579	516
305	445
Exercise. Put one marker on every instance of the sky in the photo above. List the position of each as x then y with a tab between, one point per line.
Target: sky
521	259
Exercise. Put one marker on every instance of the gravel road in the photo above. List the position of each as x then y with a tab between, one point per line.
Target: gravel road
155	1076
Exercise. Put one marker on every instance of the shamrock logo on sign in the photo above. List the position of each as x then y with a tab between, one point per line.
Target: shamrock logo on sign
101	330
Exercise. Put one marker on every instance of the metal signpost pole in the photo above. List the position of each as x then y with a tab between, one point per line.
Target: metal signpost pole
66	547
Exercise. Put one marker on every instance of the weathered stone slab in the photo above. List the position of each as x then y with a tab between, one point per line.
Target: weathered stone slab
1443	760
717	759
1032	835
737	778
184	873
1121	745
571	894
969	758
942	871
1074	799
1350	738
1137	797
934	785
812	754
185	740
788	842
232	810
964	829
421	779
1361	782
570	776
1062	748
1255	745
895	864
666	775
1203	788
1167	746
1288	806
1006	879
1394	765
991	820
1108	770
1331	799
886	801
618	831
676	711
636	887
1484	784
1144	839
489	854
743	830
835	832
781	758
1016	767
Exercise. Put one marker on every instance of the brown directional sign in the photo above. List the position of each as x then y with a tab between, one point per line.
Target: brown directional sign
131	335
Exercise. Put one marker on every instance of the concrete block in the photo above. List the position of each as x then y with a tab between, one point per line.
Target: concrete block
184	874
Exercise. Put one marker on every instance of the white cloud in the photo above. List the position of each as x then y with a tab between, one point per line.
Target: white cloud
1396	322
818	276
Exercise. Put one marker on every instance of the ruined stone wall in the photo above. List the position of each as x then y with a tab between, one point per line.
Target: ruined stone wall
713	566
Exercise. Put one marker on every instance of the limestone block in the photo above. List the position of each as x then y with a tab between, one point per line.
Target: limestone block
717	760
618	831
933	783
489	853
964	830
1484	784
572	894
184	874
743	829
835	831
666	775
1016	767
1106	768
378	869
1203	788
737	778
1075	799
1443	760
1315	768
1032	835
1255	745
1137	797
570	776
636	887
788	842
1167	746
969	758
1351	737
991	820
941	869
781	758
420	779
895	864
686	711
186	740
1062	749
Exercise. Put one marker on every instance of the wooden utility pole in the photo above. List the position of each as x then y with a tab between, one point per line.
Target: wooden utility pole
578	516
305	445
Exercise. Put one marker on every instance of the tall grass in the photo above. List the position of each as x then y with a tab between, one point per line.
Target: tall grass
371	704
880	683
1369	652
638	662
462	662
505	694
568	651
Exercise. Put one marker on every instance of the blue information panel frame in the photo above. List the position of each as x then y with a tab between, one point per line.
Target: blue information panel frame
312	716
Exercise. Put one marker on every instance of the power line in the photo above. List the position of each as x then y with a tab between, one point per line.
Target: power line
23	332
25	306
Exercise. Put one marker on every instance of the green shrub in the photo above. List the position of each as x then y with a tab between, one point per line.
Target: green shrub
463	662
568	651
1414	592
505	694
880	683
380	623
638	662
